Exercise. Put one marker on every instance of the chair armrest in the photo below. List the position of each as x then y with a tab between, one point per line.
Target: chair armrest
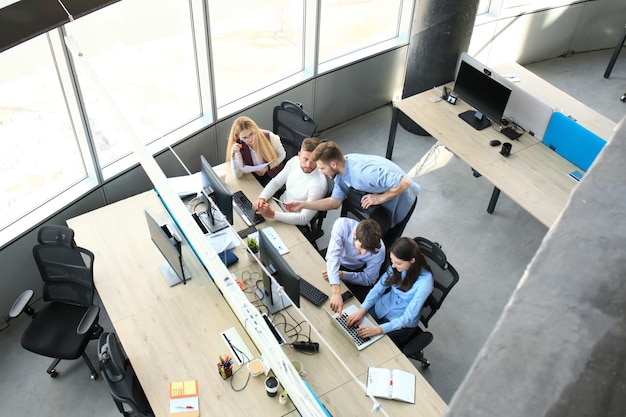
417	343
90	318
21	304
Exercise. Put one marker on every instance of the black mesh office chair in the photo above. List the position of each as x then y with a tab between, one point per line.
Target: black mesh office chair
313	230
66	323
293	125
121	379
351	207
445	277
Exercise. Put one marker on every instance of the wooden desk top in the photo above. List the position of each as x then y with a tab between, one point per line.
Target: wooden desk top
173	333
533	176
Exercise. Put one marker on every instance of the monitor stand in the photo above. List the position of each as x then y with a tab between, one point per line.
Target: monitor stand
171	277
475	119
277	302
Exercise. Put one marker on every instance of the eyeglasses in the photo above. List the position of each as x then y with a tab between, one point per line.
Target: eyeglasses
247	138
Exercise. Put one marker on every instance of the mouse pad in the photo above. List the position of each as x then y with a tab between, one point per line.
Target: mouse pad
572	141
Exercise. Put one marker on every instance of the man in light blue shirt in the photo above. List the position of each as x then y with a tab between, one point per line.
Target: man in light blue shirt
355	255
383	181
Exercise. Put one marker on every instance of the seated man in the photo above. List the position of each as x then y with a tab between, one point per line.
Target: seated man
302	181
382	181
355	255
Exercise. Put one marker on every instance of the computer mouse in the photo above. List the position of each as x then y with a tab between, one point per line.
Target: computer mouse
495	142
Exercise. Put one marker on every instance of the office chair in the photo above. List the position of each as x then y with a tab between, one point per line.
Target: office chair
66	323
445	277
293	125
313	230
121	379
351	207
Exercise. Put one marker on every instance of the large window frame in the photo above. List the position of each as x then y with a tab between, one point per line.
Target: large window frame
97	176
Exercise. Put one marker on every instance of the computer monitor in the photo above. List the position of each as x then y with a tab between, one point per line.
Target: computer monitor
214	187
479	89
170	246
276	265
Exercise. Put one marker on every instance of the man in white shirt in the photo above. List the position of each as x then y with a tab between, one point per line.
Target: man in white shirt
303	182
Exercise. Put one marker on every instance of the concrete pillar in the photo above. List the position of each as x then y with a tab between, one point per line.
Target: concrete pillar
441	30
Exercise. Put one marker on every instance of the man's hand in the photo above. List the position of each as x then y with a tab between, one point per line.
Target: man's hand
258	203
367	331
294	206
336	303
369	200
266	211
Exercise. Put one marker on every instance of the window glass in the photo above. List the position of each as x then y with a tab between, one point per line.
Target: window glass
146	65
350	25
255	43
483	6
40	156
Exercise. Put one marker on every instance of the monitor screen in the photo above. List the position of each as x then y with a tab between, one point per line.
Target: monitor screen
170	247
213	186
481	91
282	273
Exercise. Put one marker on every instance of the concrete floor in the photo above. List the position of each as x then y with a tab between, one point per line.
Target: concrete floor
490	252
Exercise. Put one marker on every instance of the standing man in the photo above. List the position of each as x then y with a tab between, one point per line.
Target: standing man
383	181
355	255
302	181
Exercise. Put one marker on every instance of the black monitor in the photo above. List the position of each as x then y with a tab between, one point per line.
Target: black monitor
214	187
170	246
479	89
282	273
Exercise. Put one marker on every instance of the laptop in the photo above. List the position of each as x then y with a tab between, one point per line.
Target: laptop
350	332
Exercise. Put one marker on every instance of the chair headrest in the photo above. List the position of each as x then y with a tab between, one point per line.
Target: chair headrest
55	235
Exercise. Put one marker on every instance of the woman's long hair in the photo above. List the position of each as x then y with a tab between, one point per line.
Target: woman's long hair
406	249
262	145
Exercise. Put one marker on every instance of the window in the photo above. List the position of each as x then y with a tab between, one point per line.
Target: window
255	43
347	26
41	156
147	65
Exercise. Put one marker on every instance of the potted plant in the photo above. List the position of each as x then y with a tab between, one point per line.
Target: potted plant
253	245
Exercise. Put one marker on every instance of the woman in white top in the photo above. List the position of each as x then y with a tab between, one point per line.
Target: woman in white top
250	146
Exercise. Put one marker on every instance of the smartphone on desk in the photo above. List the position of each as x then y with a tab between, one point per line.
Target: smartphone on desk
347	295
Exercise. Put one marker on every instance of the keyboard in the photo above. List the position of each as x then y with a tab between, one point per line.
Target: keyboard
312	293
343	322
243	206
351	332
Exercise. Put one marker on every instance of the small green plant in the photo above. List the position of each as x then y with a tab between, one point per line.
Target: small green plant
252	244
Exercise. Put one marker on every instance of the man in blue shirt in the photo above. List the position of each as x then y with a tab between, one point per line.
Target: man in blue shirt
383	181
355	255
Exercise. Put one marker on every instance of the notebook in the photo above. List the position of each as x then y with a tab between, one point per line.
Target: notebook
184	398
392	384
350	332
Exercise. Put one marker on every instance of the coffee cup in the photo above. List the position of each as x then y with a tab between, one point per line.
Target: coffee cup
299	367
271	386
506	149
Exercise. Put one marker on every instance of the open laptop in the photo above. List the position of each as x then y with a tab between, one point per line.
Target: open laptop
350	332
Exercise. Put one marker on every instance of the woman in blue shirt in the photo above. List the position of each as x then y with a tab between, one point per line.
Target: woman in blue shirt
396	299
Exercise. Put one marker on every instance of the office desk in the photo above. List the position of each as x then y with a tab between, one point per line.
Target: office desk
533	176
173	333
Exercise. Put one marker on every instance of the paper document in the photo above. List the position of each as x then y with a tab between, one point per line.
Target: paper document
186	184
184	398
253	168
224	239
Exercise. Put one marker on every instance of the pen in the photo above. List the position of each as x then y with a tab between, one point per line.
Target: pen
390	388
233	348
185	406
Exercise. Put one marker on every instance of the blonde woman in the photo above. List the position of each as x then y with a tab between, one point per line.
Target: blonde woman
249	146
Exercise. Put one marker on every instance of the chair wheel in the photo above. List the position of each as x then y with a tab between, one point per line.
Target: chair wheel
53	373
94	376
425	364
623	98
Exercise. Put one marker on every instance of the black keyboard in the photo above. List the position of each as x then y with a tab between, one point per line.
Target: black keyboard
343	321
243	206
312	293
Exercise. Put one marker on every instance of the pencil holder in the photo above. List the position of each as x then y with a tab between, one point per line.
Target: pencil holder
225	372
